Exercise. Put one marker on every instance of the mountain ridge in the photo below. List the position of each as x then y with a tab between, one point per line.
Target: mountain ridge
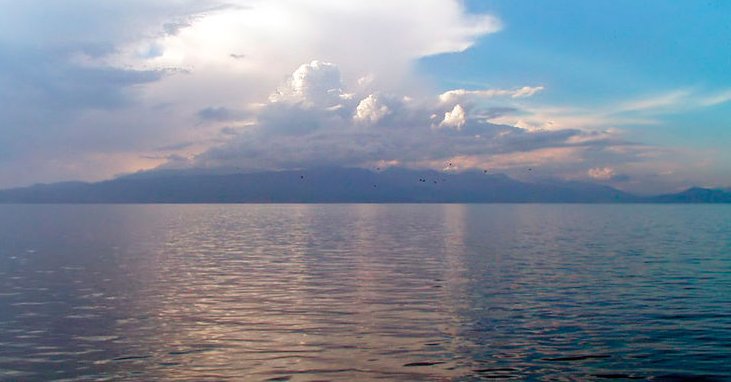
338	185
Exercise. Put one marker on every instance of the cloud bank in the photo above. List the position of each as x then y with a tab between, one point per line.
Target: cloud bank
315	119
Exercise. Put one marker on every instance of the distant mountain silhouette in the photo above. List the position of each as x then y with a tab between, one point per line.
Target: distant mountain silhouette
336	185
696	195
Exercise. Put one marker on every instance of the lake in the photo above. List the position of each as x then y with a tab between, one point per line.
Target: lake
365	292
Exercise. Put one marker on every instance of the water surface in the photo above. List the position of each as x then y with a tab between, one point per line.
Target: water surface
365	292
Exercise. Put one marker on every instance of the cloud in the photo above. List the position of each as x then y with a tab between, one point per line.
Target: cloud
63	119
315	84
646	110
601	173
674	101
266	38
371	109
360	126
82	79
526	91
223	114
456	118
653	103
461	95
716	99
314	119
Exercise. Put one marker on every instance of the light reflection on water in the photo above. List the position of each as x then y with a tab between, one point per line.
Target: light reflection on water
394	292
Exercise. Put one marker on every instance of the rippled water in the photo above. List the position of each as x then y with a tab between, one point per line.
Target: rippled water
365	292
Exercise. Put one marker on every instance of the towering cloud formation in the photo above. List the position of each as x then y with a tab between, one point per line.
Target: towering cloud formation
94	88
314	119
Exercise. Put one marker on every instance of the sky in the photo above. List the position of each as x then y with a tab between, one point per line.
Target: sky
636	95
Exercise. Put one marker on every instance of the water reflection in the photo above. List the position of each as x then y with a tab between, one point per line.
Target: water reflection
401	292
295	292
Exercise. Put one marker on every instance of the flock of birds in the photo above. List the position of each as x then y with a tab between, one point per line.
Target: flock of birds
421	180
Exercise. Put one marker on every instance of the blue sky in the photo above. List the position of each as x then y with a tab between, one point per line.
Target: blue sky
612	47
595	53
636	95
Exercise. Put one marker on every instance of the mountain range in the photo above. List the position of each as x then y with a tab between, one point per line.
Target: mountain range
339	185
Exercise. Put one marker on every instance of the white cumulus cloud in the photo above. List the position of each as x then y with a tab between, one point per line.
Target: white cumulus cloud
315	83
456	118
371	109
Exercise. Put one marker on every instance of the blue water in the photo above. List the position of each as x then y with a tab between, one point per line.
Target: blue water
365	292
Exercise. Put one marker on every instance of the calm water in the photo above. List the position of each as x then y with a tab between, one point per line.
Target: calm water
365	292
